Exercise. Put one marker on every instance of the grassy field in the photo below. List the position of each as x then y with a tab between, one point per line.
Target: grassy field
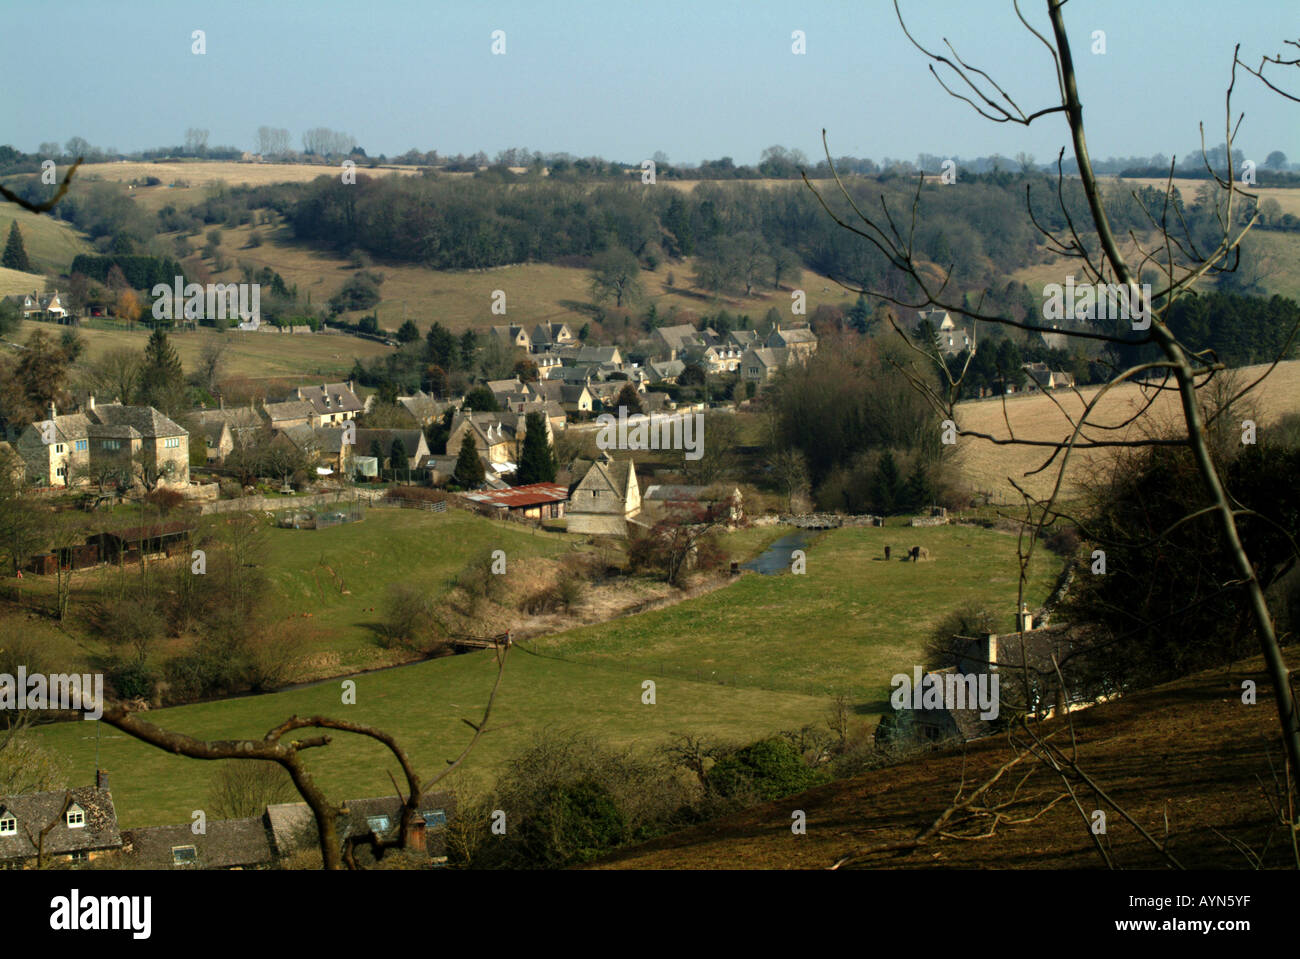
252	355
50	244
423	705
847	625
310	569
986	465
867	618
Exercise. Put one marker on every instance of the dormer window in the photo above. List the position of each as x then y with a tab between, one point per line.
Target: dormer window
76	817
8	825
379	824
184	855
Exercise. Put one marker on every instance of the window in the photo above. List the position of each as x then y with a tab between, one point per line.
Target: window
76	817
8	826
80	855
184	855
434	817
172	442
379	824
58	447
82	445
61	471
112	444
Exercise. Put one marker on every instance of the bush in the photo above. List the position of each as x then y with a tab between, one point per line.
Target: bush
132	680
768	769
571	823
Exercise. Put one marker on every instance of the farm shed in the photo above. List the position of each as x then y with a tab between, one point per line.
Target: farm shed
129	544
535	500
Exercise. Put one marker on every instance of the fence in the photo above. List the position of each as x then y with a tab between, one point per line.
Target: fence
351	512
439	507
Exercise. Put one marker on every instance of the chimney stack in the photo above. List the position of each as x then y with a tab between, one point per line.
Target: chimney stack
1024	619
991	650
416	841
101	779
52	411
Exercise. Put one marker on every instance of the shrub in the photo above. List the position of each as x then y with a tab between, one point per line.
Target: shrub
767	769
571	823
132	680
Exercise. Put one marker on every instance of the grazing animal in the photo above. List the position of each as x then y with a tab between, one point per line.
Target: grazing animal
918	553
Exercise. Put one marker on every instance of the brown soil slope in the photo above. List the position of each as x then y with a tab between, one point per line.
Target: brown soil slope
1189	750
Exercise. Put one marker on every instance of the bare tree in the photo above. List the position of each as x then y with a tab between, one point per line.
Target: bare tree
1178	255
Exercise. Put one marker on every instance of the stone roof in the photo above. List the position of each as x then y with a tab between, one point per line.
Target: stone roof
330	398
227	843
145	419
35	811
289	410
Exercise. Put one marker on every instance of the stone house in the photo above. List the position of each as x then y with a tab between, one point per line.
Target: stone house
127	440
81	824
605	499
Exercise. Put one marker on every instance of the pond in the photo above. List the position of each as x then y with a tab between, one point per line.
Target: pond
776	558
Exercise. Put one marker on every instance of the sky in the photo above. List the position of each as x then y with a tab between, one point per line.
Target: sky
696	80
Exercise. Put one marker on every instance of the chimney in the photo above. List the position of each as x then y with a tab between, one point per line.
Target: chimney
415	840
1024	619
91	402
350	388
101	779
52	411
991	650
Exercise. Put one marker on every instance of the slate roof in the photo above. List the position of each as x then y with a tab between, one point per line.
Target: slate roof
35	811
226	844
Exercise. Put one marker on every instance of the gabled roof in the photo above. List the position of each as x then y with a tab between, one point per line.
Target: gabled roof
412	441
767	356
35	811
331	398
289	410
147	420
609	474
226	843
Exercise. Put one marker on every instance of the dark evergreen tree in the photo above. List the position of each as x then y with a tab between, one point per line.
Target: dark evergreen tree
537	461
469	472
162	379
885	484
15	256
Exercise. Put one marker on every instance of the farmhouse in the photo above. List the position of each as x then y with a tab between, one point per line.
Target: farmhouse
511	337
606	498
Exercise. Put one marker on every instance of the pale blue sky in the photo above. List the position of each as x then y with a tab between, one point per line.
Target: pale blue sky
699	79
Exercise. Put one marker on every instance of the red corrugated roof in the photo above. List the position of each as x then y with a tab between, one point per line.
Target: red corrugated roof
519	497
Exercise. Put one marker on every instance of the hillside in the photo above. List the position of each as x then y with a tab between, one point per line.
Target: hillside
986	465
462	299
1189	751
